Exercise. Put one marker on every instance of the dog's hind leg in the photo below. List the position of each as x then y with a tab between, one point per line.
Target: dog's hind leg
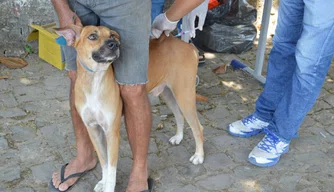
169	98
185	96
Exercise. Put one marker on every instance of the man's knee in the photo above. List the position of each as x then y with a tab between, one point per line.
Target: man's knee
129	92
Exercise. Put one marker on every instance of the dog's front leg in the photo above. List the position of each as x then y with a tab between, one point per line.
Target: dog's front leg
98	139
113	139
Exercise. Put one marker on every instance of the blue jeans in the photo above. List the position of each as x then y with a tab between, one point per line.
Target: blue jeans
157	8
298	64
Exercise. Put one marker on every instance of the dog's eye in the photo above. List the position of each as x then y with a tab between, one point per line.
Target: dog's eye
92	37
112	36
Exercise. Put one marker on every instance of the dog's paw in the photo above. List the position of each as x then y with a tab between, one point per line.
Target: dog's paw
110	186
197	159
176	139
99	187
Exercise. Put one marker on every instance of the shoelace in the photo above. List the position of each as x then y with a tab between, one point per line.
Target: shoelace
249	119
269	142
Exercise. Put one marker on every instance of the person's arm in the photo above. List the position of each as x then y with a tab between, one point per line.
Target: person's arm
65	14
167	22
181	8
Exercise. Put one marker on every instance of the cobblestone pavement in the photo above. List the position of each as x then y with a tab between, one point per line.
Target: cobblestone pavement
36	136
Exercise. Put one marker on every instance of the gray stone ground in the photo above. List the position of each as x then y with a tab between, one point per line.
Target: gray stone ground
36	136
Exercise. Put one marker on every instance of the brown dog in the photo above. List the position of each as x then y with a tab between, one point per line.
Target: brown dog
171	73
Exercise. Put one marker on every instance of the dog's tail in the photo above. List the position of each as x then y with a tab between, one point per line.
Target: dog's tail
201	98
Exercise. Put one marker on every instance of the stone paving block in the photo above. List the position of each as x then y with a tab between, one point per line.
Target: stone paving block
8	174
187	188
124	165
218	116
22	133
305	185
330	100
3	143
125	150
308	122
164	110
29	93
320	105
25	189
4	85
190	172
323	94
211	132
216	182
178	155
156	162
218	161
56	81
315	157
330	129
307	143
83	186
34	152
288	183
224	142
7	100
169	179
42	173
203	106
51	132
240	155
249	171
154	100
12	112
210	91
324	117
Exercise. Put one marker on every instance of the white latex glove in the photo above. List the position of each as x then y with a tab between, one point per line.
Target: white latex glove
188	21
162	24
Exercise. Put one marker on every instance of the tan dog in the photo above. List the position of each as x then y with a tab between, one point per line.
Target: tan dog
172	73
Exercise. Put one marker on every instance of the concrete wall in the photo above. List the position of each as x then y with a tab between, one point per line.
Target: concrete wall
15	17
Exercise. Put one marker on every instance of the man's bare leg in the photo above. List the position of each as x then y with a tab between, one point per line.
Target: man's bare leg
85	159
138	120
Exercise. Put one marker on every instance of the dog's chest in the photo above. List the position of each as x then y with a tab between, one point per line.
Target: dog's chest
95	111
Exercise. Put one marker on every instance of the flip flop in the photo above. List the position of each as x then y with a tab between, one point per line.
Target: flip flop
52	188
150	183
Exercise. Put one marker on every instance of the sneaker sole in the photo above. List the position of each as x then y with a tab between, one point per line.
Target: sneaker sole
246	135
253	161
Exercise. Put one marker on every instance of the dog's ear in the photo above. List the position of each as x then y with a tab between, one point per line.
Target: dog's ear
71	33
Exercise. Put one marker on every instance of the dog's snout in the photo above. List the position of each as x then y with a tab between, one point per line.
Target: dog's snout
112	44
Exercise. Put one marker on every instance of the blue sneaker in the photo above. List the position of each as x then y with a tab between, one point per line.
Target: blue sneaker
247	127
268	152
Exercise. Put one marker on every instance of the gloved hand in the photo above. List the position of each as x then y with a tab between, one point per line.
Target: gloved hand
188	21
162	24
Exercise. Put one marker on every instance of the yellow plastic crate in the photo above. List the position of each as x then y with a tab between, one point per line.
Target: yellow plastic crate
48	49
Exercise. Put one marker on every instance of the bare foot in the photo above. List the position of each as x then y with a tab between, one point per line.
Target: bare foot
137	181
75	166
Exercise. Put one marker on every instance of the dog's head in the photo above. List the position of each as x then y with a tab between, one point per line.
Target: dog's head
94	44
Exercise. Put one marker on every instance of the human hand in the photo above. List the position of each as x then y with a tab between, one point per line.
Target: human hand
162	24
68	17
188	21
